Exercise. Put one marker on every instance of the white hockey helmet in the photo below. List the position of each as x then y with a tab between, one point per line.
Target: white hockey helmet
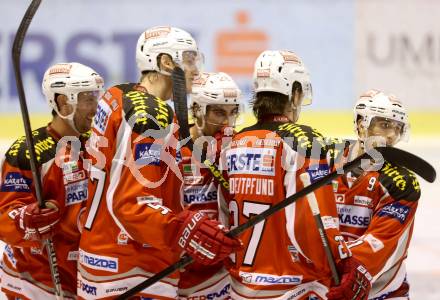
177	43
70	79
214	88
374	103
276	71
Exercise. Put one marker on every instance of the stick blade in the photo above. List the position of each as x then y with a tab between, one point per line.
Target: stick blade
410	161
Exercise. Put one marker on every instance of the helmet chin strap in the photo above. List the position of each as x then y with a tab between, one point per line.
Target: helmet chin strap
69	119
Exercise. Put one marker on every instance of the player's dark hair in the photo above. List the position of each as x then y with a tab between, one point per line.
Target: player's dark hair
272	103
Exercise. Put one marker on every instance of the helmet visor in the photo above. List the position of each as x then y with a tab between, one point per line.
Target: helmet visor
307	94
193	61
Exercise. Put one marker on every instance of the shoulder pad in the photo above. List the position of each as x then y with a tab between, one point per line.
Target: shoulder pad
303	139
400	182
146	112
45	149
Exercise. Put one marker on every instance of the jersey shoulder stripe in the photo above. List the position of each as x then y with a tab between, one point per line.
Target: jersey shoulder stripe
303	139
45	149
144	111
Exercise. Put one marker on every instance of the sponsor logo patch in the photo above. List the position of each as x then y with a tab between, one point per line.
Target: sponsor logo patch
192	180
374	242
16	182
102	115
72	255
117	290
354	216
330	222
199	194
70	167
76	192
75	176
10	254
362	200
335	185
396	211
189	169
141	200
316	172
87	288
269	279
147	154
252	161
36	251
340	198
98	262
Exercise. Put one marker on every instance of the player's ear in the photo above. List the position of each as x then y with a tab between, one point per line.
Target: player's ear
361	129
166	63
64	108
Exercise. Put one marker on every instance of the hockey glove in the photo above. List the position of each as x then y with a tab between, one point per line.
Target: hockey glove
37	223
355	281
204	239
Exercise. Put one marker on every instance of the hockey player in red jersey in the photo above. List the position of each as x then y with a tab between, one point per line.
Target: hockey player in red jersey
283	257
215	106
72	91
135	227
377	208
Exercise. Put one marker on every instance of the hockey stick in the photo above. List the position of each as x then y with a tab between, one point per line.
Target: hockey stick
395	155
313	203
181	107
16	53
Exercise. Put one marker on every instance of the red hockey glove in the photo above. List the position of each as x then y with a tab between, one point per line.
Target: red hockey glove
355	281
37	223
204	239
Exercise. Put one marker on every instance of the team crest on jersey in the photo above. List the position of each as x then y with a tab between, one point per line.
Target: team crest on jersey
102	115
396	211
122	238
293	252
16	182
252	161
148	154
